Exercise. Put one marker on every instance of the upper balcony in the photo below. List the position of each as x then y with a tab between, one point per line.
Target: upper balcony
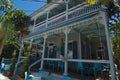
76	13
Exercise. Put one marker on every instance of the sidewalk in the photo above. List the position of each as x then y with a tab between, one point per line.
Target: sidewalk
2	77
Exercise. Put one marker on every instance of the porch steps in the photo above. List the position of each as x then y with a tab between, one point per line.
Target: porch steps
55	76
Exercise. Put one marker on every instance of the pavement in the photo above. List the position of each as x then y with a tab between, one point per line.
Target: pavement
2	77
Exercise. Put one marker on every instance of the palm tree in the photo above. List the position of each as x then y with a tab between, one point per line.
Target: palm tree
20	20
4	6
16	21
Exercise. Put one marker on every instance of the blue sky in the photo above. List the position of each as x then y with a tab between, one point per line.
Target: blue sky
28	6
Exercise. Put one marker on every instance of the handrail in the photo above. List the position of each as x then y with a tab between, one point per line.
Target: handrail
33	64
16	65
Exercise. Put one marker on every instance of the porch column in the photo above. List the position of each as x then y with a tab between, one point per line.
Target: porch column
109	46
43	52
31	43
19	56
80	46
66	51
47	18
34	24
66	1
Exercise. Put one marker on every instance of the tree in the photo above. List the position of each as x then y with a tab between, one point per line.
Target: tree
26	63
12	64
17	21
20	20
2	38
116	43
112	9
11	40
5	5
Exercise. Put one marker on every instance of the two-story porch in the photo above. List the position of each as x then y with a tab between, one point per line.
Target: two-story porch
73	41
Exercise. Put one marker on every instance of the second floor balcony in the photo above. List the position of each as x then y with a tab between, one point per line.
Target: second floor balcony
75	14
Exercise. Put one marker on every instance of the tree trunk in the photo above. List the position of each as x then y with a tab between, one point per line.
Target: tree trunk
1	49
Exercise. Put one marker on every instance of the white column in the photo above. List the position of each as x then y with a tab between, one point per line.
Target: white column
43	52
66	51
34	24
66	1
47	18
109	46
19	56
80	46
31	43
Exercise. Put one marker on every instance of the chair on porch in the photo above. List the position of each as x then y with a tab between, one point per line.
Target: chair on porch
52	64
80	67
61	66
97	67
106	65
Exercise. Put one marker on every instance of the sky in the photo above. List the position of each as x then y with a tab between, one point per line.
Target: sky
29	6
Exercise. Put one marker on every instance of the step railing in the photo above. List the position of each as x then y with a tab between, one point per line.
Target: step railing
6	60
33	64
17	65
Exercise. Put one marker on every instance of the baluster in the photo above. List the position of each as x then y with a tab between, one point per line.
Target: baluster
94	7
77	13
84	10
87	10
80	12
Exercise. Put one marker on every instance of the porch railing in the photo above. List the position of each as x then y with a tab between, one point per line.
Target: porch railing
73	13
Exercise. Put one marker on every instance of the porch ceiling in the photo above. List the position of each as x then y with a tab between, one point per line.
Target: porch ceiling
94	31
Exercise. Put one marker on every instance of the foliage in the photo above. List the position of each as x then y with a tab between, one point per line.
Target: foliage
2	36
112	10
91	1
12	64
16	21
8	50
26	61
20	20
5	5
116	40
11	40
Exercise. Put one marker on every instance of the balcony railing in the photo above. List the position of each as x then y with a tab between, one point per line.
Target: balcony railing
73	13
